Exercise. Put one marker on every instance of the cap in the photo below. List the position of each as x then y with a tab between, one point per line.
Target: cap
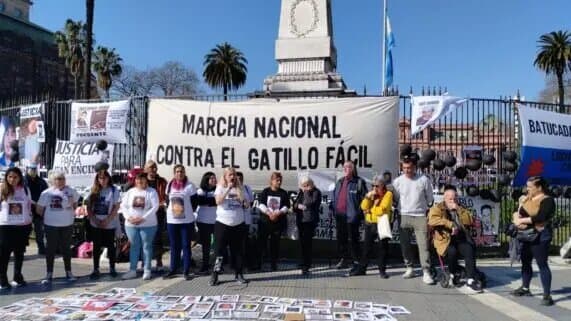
101	166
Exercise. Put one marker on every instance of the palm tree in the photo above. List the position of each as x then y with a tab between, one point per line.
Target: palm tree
89	9
107	64
225	67
70	48
554	57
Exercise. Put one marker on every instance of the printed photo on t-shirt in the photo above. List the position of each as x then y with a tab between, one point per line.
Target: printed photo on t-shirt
232	201
139	202
101	207
15	209
56	202
273	203
177	206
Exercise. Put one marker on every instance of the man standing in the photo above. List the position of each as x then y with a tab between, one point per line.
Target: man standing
415	198
349	192
36	185
160	185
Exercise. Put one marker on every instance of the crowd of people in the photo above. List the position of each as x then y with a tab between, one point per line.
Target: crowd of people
221	209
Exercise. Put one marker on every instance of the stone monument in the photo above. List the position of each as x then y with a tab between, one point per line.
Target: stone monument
305	52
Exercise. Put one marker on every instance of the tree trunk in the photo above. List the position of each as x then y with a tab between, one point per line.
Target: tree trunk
89	8
225	92
561	93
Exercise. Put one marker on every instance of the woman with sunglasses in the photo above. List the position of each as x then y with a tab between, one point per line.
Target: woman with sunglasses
376	203
102	208
180	222
15	226
57	205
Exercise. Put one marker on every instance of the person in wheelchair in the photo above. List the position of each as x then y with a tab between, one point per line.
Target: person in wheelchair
450	223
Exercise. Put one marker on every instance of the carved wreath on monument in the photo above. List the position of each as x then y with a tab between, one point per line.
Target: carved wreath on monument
295	26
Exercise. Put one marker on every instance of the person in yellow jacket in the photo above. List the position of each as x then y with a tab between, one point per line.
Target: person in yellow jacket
377	202
451	237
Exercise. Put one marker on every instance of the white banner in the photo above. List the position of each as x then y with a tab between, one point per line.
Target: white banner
427	109
77	160
31	134
94	121
264	135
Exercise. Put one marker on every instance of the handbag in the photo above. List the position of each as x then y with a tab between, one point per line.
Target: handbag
384	227
527	235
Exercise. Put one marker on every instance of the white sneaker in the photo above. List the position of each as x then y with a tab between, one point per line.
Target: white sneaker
473	286
69	277
147	275
427	278
129	275
47	279
409	273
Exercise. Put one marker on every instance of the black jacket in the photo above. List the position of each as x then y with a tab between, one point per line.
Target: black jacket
312	201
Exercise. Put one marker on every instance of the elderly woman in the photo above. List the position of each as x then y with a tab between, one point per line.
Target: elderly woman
57	206
377	202
306	208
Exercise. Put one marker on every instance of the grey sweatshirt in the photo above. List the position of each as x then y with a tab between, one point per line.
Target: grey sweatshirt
414	195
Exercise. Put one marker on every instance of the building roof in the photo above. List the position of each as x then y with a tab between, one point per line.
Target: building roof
35	32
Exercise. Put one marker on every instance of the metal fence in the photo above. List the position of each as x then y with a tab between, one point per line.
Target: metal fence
488	124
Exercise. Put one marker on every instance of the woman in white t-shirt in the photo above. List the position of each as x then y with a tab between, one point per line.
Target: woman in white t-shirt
180	221
102	207
15	226
206	217
57	206
139	207
229	226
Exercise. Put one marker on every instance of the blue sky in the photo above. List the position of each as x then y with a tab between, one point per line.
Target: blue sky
476	48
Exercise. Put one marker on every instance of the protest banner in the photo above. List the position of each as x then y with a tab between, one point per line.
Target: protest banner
78	161
94	121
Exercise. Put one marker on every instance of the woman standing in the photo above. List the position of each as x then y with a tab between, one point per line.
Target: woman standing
535	213
139	207
57	205
274	205
180	221
229	226
102	207
15	226
206	217
306	208
376	203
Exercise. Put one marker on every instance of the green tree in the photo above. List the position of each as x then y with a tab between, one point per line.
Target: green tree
70	47
107	64
89	9
225	67
554	57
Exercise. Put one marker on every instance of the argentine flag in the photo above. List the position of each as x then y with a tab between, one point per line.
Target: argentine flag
389	44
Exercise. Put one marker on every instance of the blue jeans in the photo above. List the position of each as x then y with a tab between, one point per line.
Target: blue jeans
136	235
180	236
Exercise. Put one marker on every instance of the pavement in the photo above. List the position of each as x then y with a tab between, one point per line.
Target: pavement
426	302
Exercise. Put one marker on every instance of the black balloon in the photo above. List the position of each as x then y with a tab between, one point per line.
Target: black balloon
429	154
489	160
101	144
509	156
516	194
423	163
473	191
438	164
405	149
450	161
495	196
556	191
567	193
473	164
414	157
504	179
14	157
485	194
510	167
460	172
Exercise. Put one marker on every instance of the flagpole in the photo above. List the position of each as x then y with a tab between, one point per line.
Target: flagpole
384	60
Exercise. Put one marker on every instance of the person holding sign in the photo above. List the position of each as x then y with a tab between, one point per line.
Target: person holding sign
139	207
180	221
15	225
306	208
102	207
377	202
57	205
229	227
274	205
206	217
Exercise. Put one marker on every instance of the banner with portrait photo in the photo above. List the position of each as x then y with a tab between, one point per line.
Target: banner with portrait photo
9	141
31	135
77	161
91	122
428	109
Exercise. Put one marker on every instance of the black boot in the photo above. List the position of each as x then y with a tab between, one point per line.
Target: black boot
240	279
357	270
216	271
383	274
